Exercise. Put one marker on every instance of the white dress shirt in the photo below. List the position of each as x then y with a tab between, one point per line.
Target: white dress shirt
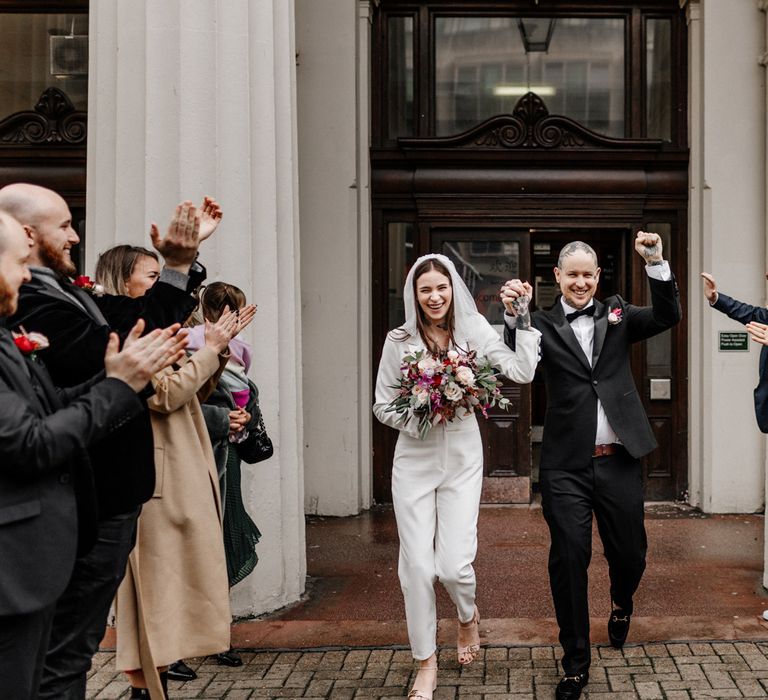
584	329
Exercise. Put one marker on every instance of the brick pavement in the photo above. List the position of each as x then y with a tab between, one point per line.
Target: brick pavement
672	671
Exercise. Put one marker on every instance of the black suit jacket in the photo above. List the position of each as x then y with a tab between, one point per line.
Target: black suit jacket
45	476
573	386
744	313
124	463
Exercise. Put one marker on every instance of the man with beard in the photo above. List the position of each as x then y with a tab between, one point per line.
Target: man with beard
45	477
78	324
595	432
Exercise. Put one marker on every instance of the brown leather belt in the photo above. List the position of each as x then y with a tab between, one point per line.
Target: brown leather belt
605	450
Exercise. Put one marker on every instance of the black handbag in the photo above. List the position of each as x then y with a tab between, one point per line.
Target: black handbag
257	446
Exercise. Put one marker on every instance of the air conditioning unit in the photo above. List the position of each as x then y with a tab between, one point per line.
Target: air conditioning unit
69	55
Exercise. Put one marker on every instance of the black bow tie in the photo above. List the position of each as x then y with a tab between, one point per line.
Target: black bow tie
588	311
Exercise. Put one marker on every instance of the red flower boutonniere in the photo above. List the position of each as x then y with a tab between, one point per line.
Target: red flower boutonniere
29	343
85	282
615	316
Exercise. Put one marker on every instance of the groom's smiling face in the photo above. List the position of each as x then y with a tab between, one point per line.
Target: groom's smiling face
578	278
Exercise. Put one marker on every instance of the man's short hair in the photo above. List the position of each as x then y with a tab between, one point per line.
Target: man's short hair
575	247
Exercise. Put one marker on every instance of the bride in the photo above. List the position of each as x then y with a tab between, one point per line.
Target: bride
436	482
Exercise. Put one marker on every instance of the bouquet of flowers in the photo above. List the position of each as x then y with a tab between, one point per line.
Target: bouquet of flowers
432	388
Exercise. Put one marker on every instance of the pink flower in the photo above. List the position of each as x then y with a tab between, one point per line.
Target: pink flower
615	316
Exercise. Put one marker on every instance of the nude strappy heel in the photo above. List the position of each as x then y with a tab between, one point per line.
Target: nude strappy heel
467	654
417	694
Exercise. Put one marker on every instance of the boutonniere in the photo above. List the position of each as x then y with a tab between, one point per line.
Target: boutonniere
86	283
615	316
29	343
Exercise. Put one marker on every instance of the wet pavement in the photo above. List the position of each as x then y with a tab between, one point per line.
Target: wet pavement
702	590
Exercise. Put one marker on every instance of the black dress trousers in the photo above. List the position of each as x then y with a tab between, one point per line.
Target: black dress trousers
612	488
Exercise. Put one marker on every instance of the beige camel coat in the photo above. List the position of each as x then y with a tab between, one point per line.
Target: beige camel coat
174	600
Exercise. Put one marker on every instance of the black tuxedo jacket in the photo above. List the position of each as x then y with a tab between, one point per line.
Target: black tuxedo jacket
744	313
124	463
573	387
46	484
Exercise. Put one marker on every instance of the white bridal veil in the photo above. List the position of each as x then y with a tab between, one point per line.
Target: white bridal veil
464	308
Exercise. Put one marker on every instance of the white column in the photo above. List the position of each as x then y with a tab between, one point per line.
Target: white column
727	238
197	97
763	6
335	243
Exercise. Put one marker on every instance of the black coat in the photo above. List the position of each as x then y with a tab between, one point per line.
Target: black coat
744	313
124	464
45	476
573	387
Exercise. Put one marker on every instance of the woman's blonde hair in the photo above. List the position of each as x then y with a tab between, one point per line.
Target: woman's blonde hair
115	267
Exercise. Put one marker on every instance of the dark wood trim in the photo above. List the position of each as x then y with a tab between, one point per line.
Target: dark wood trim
530	7
44	6
529	126
635	80
54	121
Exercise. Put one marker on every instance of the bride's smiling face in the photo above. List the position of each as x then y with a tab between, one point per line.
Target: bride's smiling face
434	294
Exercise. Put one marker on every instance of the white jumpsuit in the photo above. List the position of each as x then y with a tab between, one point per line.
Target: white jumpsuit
436	484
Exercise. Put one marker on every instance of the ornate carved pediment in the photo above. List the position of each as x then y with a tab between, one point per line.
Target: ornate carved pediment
54	120
530	126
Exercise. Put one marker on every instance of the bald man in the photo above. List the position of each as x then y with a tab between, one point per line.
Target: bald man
78	324
45	478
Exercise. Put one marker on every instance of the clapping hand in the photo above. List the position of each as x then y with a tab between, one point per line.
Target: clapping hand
142	357
649	246
245	316
758	331
218	335
210	217
710	287
179	247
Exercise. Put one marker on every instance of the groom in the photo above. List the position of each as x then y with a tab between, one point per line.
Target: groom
595	432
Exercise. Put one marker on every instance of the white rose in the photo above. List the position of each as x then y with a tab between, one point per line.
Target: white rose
453	355
453	392
466	376
428	365
421	394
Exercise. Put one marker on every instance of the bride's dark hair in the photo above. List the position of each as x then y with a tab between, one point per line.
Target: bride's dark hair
422	321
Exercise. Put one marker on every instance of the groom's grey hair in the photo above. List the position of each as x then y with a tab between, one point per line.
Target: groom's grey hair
575	247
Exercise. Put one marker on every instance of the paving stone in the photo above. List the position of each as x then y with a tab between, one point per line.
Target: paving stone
673	671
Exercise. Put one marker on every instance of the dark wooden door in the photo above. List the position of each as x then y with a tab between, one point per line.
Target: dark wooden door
486	258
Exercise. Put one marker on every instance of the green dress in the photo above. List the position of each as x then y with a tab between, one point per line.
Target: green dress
240	532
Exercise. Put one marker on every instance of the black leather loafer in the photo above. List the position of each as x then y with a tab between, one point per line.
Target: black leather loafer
618	627
179	671
229	658
569	687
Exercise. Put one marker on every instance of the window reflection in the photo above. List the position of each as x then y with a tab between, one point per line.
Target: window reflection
402	254
658	349
39	51
400	76
482	69
658	105
485	265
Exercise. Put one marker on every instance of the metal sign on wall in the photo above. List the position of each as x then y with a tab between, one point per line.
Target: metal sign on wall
733	341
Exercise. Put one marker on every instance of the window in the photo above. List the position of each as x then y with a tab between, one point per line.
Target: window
484	65
444	70
39	51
